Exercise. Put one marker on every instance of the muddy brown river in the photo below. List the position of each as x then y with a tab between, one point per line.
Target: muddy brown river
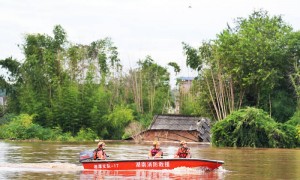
45	160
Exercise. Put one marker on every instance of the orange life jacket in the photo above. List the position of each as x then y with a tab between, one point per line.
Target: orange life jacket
96	151
154	151
183	152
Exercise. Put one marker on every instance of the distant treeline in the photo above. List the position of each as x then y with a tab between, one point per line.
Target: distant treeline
75	87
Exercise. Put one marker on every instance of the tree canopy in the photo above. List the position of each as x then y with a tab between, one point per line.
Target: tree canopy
248	82
247	65
77	87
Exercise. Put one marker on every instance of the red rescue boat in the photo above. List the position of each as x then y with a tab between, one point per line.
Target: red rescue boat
151	164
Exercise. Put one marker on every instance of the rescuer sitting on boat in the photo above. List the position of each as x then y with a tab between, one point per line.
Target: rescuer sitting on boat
99	153
183	151
156	151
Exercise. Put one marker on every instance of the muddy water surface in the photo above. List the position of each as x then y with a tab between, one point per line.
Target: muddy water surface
43	160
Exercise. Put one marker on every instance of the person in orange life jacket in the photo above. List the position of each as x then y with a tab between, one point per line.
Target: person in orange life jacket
99	153
183	151
156	151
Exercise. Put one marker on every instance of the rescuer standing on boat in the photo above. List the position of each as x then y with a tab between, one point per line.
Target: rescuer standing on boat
99	153
156	151
183	151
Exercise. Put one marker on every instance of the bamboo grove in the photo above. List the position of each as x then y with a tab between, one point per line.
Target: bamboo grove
76	86
253	63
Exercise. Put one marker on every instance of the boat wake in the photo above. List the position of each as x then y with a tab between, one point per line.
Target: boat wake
38	167
177	173
201	173
68	168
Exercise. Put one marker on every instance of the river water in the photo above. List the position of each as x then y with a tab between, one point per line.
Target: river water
45	160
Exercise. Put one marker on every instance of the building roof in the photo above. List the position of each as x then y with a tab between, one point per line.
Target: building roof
175	122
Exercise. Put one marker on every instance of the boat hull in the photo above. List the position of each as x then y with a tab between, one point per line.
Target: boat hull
151	164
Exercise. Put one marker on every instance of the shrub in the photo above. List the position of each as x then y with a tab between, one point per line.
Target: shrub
7	118
21	127
295	119
44	133
86	135
145	119
18	127
288	136
298	135
66	137
119	118
252	127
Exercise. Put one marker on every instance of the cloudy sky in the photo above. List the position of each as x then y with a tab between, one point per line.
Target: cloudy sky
137	27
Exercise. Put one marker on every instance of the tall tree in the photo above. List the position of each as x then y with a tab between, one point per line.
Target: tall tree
294	54
244	66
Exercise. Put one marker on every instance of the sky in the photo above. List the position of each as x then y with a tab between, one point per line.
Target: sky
137	27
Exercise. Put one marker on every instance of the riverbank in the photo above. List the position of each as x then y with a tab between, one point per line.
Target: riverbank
108	141
150	142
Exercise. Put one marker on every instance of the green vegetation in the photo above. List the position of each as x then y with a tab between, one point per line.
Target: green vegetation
21	127
248	83
253	127
253	64
80	89
247	65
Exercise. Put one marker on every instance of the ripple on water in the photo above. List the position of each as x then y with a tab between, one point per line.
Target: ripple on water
177	173
39	167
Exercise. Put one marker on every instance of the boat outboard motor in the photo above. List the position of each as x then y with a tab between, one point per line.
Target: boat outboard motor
85	155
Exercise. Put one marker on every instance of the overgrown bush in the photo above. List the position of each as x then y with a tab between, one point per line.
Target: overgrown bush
22	127
145	119
253	127
2	110
7	118
295	122
18	127
287	137
118	119
86	135
295	119
298	134
66	137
